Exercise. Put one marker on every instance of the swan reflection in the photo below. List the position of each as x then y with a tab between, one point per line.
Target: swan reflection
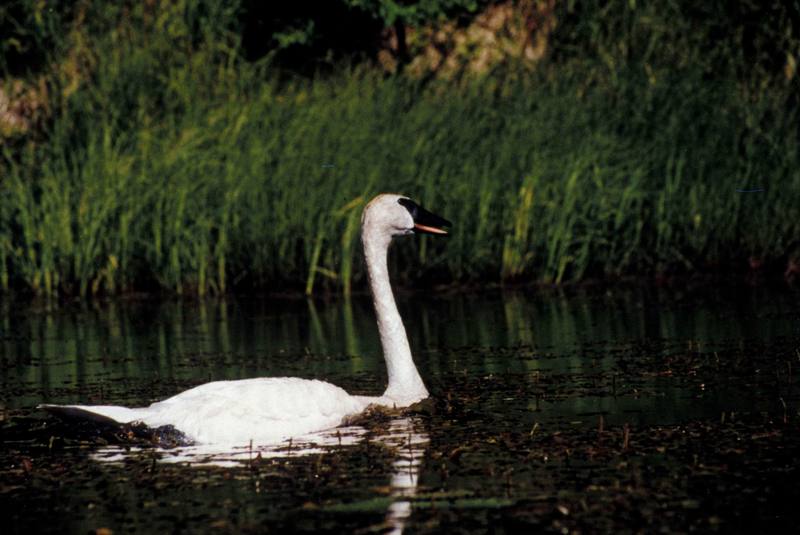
410	442
215	455
404	436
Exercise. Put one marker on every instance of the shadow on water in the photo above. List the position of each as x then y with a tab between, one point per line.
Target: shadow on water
635	409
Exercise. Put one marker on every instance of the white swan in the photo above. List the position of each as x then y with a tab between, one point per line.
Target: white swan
271	409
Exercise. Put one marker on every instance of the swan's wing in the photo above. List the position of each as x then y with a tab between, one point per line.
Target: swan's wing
264	410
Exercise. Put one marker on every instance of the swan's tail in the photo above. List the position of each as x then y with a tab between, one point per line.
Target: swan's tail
102	414
114	419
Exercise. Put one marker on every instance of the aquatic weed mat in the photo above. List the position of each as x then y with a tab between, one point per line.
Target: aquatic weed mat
728	474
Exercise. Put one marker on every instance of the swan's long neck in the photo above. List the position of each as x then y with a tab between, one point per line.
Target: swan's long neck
405	384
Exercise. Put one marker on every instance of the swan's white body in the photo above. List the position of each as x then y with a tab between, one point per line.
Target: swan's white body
268	410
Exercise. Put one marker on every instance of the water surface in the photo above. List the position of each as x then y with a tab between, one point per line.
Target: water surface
621	409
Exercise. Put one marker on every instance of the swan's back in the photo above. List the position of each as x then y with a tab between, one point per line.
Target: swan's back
264	410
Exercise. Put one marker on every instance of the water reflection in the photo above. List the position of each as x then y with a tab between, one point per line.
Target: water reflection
404	436
211	455
410	442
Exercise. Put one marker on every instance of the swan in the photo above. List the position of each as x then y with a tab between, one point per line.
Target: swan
267	410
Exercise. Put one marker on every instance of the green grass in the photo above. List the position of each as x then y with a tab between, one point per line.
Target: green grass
178	166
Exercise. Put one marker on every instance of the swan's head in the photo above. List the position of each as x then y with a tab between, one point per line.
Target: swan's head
391	215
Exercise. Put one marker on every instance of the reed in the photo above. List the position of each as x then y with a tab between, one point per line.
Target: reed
190	170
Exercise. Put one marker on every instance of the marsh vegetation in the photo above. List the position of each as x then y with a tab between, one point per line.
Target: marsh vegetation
170	155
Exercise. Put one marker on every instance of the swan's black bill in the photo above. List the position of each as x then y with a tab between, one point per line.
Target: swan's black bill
424	221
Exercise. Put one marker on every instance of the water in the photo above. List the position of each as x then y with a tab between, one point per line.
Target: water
621	409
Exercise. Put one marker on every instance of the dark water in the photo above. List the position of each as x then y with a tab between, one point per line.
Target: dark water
614	410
